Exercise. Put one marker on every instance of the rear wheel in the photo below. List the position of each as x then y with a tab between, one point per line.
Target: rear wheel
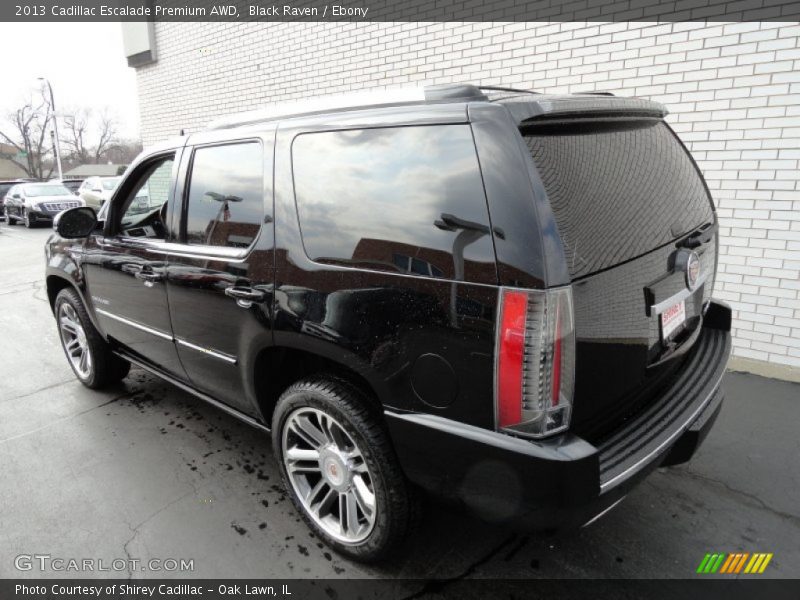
88	353
340	469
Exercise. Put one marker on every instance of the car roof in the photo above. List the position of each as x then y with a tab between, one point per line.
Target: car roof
51	183
524	105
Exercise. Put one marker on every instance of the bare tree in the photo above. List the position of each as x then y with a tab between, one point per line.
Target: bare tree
89	135
123	151
27	131
107	133
76	132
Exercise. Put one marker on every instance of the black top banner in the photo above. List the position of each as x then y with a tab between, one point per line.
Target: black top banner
400	10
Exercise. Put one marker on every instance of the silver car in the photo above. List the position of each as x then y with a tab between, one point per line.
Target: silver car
95	191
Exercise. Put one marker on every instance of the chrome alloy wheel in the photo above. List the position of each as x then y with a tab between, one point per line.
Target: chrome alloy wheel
73	338
329	475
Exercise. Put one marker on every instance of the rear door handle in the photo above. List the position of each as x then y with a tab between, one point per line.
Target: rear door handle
148	277
245	296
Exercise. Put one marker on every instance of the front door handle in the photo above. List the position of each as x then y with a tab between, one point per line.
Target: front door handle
245	296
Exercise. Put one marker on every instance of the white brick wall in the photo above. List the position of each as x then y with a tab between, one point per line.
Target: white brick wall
733	90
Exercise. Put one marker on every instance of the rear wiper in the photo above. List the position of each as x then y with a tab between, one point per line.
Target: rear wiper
698	237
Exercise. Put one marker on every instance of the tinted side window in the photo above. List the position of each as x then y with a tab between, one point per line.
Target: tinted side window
408	200
226	199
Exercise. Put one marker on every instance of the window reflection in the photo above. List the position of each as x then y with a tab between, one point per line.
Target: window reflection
225	195
145	210
370	197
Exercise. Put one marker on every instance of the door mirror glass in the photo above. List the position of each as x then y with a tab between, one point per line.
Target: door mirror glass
75	222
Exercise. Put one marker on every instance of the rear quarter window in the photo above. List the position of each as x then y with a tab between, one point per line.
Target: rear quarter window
406	200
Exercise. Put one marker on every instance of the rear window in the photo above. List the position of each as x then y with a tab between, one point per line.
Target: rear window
404	199
617	190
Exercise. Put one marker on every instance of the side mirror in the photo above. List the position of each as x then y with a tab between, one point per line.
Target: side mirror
75	222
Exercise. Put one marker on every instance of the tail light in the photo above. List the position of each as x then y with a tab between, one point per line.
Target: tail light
534	361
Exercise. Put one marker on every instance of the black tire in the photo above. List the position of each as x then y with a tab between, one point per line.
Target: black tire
106	367
9	219
397	507
26	218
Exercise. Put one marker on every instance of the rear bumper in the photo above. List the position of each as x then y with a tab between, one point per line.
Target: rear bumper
567	482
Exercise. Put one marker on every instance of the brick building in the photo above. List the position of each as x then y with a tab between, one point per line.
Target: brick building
733	90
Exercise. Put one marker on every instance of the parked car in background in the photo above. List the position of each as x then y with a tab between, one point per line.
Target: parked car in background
73	185
499	297
95	191
5	186
34	203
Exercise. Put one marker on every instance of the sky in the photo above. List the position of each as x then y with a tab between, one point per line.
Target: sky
84	62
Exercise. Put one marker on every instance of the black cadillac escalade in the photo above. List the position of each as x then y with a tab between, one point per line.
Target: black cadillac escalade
498	297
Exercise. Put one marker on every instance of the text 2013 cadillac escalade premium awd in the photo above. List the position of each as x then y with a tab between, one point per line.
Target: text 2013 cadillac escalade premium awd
499	297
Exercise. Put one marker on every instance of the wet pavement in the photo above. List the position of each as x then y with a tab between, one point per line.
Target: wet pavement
144	470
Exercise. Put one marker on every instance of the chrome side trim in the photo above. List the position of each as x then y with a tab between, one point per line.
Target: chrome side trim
660	307
134	324
216	354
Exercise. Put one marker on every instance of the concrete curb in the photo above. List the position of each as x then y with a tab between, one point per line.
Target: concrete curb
764	369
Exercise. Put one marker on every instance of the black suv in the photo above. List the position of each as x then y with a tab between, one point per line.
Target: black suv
498	297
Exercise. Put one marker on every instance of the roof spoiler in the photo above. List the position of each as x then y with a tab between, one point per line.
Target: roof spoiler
585	106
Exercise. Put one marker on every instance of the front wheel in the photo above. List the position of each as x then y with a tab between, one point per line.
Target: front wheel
340	469
88	353
26	217
9	219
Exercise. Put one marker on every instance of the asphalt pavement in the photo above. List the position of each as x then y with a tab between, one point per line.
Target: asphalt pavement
145	470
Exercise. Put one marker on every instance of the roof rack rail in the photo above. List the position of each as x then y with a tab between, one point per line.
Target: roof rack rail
454	91
593	93
451	92
493	88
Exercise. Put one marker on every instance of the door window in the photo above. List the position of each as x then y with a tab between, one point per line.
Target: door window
144	213
226	199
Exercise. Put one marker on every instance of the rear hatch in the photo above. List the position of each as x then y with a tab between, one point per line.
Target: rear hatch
631	208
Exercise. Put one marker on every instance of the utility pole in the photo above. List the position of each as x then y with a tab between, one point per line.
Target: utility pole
55	126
